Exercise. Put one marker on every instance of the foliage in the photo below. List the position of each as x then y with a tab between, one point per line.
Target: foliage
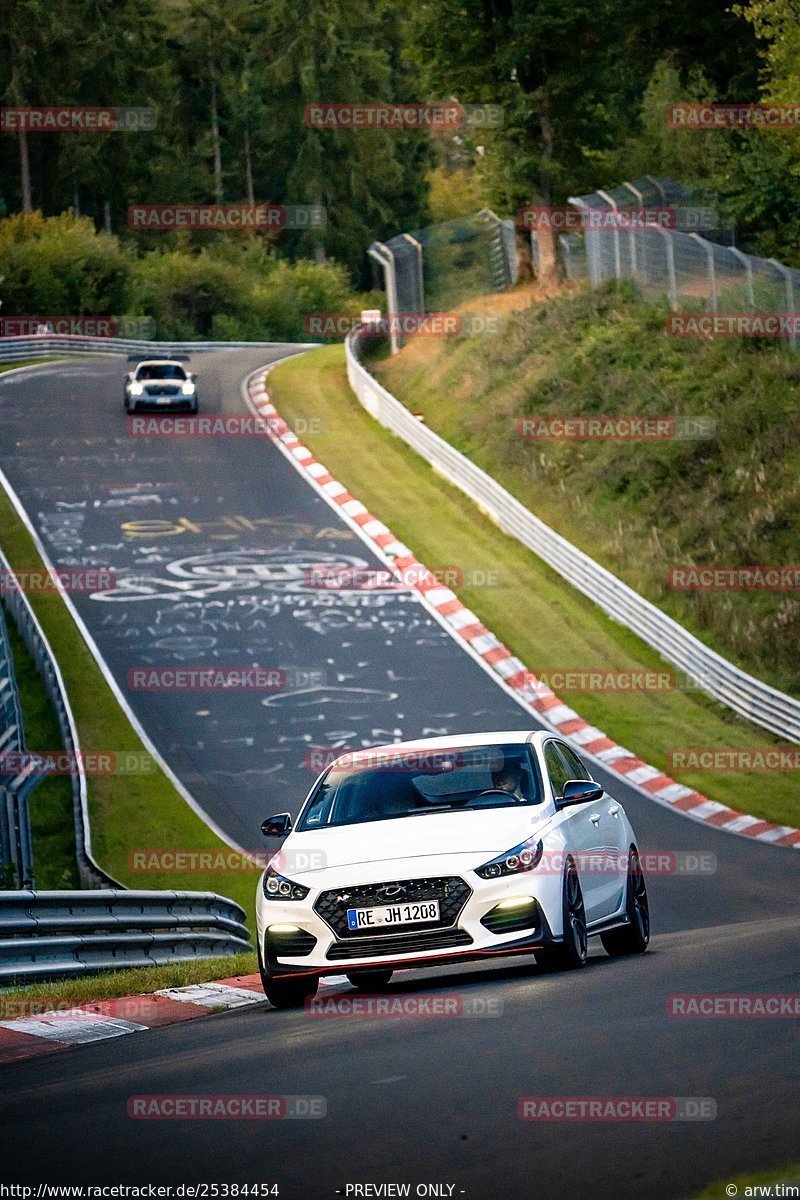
236	289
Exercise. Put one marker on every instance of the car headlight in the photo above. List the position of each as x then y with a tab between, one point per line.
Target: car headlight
136	389
187	388
521	858
278	887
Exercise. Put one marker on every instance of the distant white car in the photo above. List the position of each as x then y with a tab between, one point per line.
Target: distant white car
444	850
162	384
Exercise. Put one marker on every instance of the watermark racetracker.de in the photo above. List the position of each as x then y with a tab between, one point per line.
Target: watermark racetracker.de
334	326
226	1107
50	581
717	578
77	762
732	115
163	218
76	119
221	425
619	428
387	116
99	326
735	1005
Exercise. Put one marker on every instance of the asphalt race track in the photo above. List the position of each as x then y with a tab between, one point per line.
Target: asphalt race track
212	542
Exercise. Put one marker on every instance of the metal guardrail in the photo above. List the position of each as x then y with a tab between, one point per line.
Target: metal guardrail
749	697
18	607
18	349
16	854
48	935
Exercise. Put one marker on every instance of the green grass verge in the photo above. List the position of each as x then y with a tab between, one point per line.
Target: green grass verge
747	1185
52	821
123	983
538	616
127	812
639	508
28	362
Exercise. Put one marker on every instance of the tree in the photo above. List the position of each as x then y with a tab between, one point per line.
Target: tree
35	46
369	181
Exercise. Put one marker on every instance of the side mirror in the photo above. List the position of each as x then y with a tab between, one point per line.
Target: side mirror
579	791
277	826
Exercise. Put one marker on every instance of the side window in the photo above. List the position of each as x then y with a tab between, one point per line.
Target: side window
576	767
557	769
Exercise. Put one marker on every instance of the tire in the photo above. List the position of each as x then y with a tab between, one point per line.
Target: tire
287	993
370	979
633	938
574	952
126	404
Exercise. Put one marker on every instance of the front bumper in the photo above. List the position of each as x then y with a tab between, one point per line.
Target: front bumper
473	928
179	403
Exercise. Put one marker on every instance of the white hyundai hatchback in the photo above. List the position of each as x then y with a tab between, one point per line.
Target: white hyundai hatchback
444	850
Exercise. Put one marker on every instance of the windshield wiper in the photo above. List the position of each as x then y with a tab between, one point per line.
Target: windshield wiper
422	812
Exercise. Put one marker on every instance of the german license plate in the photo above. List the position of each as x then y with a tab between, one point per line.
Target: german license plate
392	914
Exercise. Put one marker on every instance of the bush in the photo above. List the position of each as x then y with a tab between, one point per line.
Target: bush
61	266
233	290
186	293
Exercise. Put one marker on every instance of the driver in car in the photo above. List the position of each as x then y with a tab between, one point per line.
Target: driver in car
507	778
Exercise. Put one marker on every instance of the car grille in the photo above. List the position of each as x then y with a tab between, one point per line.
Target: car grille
451	892
161	389
402	943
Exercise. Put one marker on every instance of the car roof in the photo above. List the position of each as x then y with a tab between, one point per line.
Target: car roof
458	741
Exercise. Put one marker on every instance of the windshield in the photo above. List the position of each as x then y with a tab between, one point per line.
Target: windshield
160	371
385	785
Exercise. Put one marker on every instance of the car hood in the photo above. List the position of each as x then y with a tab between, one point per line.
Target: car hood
477	836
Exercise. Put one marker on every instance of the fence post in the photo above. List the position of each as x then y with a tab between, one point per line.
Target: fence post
748	267
420	277
789	286
507	262
534	250
383	255
640	201
657	186
673	287
508	236
712	275
589	235
617	258
565	254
